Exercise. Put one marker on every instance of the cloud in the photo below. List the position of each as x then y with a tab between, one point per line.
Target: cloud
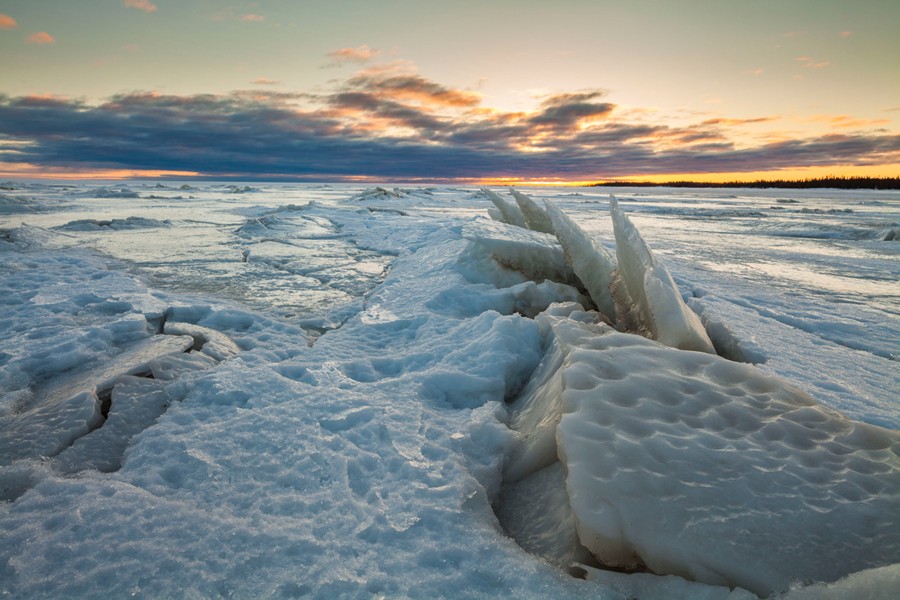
811	63
7	22
388	126
253	18
757	71
144	5
846	34
734	122
265	81
41	37
565	111
359	54
412	88
847	121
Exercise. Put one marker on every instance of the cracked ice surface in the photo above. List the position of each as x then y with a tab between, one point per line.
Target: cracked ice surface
369	463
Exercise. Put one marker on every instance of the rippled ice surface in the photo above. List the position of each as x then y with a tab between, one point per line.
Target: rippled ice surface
354	426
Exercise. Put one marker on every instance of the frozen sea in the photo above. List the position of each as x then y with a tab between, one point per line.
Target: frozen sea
281	391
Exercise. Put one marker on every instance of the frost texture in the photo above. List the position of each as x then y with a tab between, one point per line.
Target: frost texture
658	302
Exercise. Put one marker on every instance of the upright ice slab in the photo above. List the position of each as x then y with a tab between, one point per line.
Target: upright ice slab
536	217
656	298
510	211
593	263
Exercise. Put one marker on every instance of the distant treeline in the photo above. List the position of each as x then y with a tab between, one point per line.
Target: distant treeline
846	183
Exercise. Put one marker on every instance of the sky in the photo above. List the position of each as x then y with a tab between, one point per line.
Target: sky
470	91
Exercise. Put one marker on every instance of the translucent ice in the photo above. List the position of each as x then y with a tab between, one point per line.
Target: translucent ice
536	216
510	211
593	263
655	296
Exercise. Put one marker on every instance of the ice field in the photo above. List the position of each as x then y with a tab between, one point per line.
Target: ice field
285	391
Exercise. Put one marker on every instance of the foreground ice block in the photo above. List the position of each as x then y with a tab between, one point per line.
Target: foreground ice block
696	466
655	296
593	263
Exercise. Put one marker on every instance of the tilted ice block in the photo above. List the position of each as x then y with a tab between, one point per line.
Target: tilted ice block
510	210
210	342
536	216
592	263
536	255
68	407
536	513
654	294
712	470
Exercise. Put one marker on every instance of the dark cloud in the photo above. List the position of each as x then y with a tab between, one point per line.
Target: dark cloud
393	128
564	111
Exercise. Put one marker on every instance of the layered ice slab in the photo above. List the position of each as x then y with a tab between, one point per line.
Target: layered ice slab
69	406
536	256
692	465
656	298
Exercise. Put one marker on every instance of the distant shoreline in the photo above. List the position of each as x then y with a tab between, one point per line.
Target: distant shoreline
845	183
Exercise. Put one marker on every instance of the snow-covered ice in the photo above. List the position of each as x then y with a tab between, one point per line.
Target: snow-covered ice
387	394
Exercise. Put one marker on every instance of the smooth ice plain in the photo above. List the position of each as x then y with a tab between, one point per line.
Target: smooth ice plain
282	391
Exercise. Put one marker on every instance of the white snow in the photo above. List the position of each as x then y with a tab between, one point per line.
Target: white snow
345	422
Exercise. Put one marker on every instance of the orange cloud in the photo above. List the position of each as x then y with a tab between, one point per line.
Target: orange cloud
253	18
264	81
15	170
723	121
7	22
845	34
811	63
413	88
144	5
359	54
848	121
41	37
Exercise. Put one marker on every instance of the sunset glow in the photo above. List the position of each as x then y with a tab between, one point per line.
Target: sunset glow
579	92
